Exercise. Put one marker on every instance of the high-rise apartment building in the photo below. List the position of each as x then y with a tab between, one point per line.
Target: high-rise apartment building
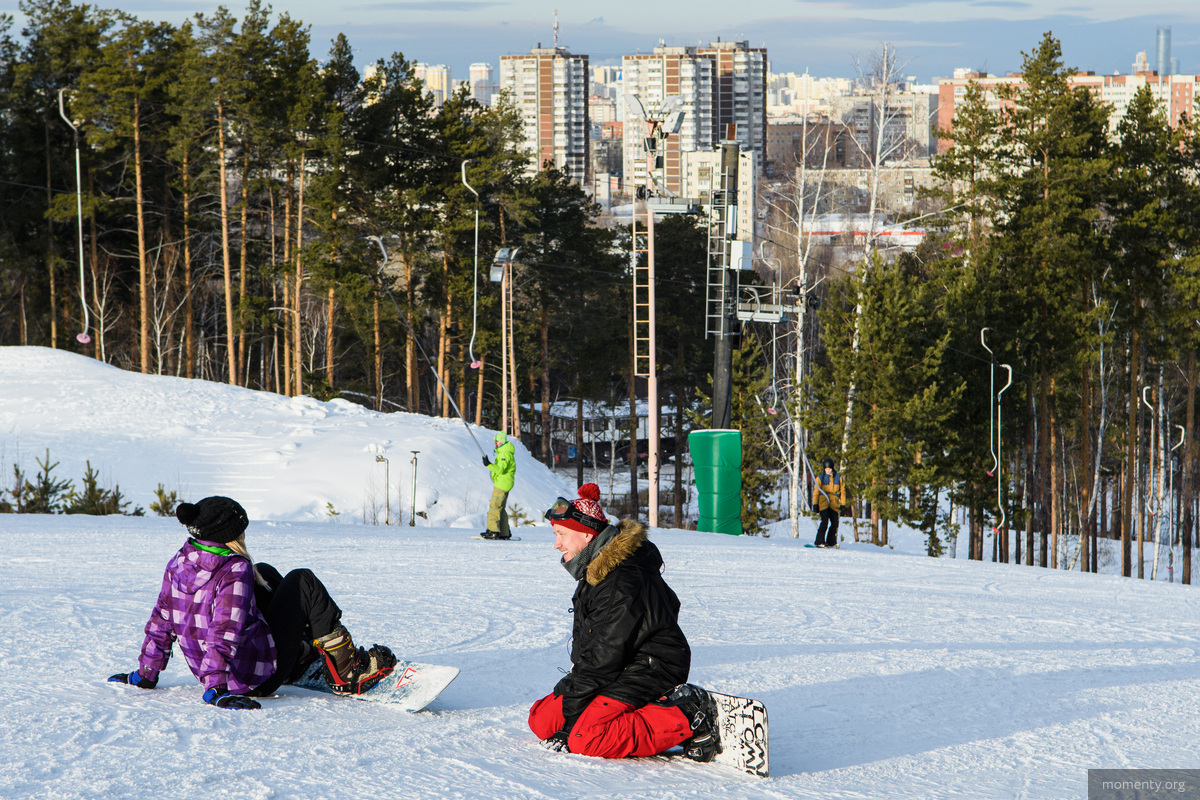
740	80
652	78
436	78
483	83
1163	62
722	85
898	127
606	82
550	88
1175	94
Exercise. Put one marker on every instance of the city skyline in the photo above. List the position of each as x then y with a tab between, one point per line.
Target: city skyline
825	38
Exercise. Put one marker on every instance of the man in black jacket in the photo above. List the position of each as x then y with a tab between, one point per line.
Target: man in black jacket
626	693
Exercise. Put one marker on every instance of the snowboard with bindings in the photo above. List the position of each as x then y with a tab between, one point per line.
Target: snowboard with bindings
412	685
742	729
489	539
741	726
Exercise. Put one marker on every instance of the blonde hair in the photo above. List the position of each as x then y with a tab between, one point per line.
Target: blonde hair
238	546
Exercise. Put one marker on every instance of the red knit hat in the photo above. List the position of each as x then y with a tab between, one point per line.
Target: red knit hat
587	504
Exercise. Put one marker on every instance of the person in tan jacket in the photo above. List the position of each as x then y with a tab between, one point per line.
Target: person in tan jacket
829	495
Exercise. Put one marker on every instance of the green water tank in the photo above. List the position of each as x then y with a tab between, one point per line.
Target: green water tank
717	460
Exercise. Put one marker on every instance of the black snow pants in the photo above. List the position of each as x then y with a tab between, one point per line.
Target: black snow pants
298	610
827	531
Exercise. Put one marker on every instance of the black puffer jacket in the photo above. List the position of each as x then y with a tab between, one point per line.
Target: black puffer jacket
627	642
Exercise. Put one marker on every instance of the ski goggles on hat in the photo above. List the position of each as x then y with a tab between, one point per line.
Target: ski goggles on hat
562	510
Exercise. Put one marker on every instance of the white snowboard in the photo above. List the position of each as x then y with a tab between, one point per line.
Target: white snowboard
742	730
412	685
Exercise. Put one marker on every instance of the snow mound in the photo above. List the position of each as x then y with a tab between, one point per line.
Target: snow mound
283	458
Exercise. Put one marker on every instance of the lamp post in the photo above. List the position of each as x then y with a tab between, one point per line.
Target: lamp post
499	273
387	481
412	520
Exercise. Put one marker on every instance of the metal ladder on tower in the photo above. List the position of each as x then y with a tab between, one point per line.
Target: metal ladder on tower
716	309
641	297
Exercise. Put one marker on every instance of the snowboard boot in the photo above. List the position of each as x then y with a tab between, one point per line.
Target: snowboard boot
701	712
488	535
351	670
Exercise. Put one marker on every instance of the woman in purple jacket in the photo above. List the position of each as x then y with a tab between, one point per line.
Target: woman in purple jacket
243	628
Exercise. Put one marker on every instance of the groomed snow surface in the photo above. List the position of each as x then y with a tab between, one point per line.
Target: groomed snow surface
886	675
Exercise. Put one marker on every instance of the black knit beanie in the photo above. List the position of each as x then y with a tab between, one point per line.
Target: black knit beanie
213	519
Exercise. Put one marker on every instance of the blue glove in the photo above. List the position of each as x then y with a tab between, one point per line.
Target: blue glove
220	697
133	679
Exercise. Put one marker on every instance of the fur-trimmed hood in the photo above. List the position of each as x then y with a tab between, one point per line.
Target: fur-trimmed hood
629	537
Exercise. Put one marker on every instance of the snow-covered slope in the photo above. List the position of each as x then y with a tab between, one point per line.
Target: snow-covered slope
886	676
281	457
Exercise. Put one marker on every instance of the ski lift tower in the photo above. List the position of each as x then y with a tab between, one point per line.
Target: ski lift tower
734	293
660	123
721	302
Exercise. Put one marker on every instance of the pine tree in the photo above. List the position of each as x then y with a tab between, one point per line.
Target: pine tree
751	381
45	494
125	89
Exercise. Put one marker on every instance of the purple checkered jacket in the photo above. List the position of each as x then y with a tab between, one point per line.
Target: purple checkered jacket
207	603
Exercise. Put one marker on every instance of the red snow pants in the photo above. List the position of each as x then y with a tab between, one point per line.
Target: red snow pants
611	729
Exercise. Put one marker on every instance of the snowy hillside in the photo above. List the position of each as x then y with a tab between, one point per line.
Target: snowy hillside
886	676
281	457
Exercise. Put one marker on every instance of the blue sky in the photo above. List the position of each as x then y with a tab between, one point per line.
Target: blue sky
932	36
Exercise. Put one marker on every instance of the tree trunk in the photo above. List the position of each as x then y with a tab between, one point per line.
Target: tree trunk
51	264
378	351
578	440
1131	445
412	385
144	300
189	304
1030	498
1085	428
1045	493
463	374
330	309
230	347
1189	459
544	356
1056	525
441	398
287	293
297	294
96	277
244	255
512	359
1016	539
679	487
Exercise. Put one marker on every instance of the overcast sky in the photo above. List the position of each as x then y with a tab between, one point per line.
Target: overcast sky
932	36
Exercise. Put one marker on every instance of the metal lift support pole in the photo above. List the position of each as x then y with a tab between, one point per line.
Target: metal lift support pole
723	362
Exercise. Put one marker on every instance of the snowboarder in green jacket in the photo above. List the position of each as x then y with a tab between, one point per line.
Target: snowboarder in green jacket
503	467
